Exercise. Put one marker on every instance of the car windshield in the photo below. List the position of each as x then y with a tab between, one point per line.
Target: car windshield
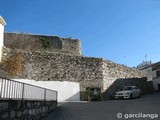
127	88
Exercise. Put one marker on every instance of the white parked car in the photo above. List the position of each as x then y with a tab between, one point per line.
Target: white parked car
128	92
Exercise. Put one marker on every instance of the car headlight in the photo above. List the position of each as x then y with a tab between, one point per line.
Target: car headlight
127	93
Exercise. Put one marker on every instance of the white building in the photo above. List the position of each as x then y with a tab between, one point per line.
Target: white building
154	70
2	24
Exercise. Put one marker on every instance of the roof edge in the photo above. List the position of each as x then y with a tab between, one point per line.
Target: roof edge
2	21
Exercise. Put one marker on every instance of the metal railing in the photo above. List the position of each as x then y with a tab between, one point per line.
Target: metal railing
10	89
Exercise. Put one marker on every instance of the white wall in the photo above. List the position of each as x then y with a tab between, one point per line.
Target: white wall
156	81
154	74
1	39
2	24
147	71
67	91
1	34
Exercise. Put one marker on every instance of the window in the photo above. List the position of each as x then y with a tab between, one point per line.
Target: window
127	88
158	73
136	88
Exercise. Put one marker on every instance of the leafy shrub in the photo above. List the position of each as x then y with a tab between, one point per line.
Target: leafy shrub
46	43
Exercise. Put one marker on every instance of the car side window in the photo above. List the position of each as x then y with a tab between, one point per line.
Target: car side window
134	88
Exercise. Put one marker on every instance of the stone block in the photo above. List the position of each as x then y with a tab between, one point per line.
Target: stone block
44	109
5	115
19	104
30	112
3	105
19	113
12	114
28	104
25	111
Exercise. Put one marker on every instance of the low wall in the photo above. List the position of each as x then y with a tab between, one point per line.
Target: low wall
25	110
67	91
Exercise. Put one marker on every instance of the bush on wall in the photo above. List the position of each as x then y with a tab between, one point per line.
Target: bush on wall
14	65
46	43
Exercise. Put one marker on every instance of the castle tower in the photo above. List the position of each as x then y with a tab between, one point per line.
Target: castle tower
2	24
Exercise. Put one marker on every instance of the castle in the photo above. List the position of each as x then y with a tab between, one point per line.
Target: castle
51	58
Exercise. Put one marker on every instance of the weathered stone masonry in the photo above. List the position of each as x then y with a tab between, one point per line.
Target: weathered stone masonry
117	76
113	71
25	110
89	72
59	67
29	42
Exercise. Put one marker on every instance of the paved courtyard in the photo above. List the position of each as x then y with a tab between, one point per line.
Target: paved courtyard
145	108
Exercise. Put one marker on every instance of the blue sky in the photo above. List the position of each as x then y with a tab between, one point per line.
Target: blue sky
124	31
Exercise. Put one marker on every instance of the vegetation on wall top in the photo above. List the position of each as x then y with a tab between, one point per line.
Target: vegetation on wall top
46	43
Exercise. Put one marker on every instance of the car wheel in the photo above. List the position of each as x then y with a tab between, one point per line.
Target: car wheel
131	96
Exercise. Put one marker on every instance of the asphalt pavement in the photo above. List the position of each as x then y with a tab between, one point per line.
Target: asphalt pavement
145	108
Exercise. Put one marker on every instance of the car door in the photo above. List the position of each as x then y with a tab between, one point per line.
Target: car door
134	91
137	92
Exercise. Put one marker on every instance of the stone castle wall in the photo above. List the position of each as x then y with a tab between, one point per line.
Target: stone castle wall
32	43
58	67
89	72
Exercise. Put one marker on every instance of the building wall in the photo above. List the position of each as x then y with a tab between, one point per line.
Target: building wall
31	43
154	74
1	34
87	71
147	70
156	81
1	39
152	70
